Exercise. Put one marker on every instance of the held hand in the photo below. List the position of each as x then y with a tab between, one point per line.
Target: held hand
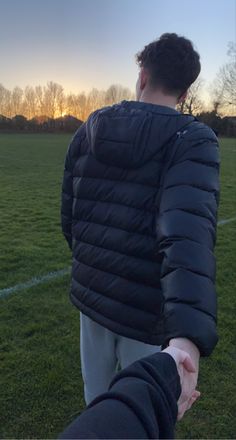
187	360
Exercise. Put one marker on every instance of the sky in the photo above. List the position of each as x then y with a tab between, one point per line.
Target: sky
82	44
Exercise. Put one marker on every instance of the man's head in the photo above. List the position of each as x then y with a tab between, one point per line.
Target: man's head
168	66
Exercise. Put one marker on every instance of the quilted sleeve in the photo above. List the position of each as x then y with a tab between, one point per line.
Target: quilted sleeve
186	233
67	185
67	200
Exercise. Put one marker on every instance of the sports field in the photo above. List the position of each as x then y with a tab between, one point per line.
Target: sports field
40	383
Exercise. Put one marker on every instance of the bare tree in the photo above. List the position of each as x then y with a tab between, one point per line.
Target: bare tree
193	104
5	102
70	104
29	106
76	105
16	101
2	100
40	100
82	106
116	93
95	100
52	96
223	89
61	102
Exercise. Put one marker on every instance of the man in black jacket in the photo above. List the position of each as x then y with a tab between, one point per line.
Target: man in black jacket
139	208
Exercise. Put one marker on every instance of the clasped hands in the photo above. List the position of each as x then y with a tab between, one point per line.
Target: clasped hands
186	356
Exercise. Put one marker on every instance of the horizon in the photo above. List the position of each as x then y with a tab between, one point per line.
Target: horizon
54	102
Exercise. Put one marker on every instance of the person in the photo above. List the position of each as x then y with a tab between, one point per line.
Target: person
139	206
141	401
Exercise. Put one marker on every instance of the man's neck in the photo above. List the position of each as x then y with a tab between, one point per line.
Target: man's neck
158	99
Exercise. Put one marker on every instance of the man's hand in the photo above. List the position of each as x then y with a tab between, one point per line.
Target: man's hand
186	356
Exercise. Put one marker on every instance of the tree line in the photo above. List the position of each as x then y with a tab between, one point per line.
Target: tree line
52	102
223	126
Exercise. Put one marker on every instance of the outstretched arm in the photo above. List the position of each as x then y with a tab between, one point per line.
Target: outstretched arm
186	232
141	401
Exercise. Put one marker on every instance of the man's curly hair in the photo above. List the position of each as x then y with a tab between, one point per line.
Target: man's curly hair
172	63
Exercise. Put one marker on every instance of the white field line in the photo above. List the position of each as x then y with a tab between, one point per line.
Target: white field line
32	161
225	222
59	273
34	282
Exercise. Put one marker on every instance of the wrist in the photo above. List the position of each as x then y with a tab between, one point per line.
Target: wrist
187	345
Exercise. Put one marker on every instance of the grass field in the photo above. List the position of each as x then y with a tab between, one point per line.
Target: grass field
40	381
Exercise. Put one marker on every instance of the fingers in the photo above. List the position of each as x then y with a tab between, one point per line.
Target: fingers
185	406
194	398
180	415
196	394
188	372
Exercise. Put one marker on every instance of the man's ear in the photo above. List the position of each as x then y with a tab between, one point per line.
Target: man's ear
143	78
182	97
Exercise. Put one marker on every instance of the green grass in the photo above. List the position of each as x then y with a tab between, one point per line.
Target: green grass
30	180
40	377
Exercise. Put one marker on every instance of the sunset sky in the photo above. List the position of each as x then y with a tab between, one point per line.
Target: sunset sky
83	44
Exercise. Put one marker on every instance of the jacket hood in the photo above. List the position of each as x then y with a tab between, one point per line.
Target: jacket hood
128	134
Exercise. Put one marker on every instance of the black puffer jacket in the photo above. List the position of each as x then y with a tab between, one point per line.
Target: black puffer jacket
139	204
